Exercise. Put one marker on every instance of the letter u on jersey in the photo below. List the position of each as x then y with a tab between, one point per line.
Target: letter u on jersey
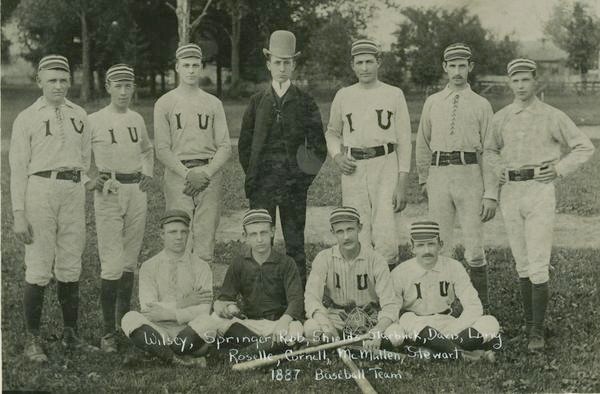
380	121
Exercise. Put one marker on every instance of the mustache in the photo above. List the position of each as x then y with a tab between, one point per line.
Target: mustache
428	255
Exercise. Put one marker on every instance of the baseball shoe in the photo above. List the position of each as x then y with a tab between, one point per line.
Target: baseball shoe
34	351
72	341
536	343
189	361
108	343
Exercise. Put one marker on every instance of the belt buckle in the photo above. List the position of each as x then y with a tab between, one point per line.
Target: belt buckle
515	175
369	153
76	176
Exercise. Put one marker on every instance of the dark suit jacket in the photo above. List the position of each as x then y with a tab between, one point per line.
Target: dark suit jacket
301	118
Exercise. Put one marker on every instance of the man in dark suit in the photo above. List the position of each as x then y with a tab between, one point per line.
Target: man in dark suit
282	146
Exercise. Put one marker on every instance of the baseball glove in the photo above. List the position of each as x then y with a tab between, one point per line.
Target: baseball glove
360	320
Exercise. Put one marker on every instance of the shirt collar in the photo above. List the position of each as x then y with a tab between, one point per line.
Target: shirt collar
531	107
42	102
280	91
170	260
436	268
362	255
449	92
271	259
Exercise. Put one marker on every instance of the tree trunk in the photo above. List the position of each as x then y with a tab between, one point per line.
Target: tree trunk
236	27
153	83
85	59
183	18
219	77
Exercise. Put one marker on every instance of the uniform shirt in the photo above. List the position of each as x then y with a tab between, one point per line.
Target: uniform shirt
452	121
43	140
363	118
168	281
269	290
191	127
364	280
120	142
532	136
428	292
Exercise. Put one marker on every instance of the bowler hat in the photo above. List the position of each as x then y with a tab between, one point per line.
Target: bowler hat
282	44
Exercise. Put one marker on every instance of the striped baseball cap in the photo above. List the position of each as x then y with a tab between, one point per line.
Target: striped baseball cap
344	214
424	230
256	216
175	215
120	72
457	51
54	62
520	65
364	46
188	50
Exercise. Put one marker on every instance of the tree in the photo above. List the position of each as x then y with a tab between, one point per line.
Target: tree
7	7
423	36
577	32
183	10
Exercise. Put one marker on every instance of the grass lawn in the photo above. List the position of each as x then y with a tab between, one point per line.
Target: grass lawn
570	363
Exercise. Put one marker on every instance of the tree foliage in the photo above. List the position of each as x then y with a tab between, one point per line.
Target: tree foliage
577	32
424	34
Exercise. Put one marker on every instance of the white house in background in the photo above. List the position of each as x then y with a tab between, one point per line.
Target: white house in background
550	59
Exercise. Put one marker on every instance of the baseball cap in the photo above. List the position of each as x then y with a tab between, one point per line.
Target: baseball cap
344	214
175	215
54	62
424	230
520	65
457	51
256	216
364	46
188	50
120	72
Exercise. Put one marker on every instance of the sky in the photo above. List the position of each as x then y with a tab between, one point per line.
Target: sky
522	18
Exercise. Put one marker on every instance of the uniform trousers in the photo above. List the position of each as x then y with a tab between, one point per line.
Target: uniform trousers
456	191
55	210
370	189
205	210
528	211
120	224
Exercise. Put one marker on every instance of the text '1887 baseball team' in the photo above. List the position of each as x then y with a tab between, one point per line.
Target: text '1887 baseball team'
468	159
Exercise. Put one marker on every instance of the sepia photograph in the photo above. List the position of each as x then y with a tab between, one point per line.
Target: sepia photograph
300	196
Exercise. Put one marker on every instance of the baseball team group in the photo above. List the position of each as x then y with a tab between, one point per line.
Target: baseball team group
469	160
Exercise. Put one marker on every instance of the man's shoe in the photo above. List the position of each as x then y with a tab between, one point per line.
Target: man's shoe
34	351
108	343
189	361
72	341
536	343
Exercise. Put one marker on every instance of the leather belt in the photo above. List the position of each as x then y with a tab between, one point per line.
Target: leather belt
523	174
125	178
67	175
372	152
194	163
453	158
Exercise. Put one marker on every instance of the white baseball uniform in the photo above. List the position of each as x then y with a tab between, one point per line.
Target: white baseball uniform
341	283
120	145
531	137
427	297
366	118
190	127
456	121
45	140
169	282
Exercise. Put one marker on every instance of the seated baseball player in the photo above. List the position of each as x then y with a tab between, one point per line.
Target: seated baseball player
175	291
427	285
349	290
271	295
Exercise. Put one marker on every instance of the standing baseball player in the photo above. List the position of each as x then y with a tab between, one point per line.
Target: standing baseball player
269	289
192	142
369	138
524	148
349	288
49	154
124	157
277	123
427	286
450	140
175	293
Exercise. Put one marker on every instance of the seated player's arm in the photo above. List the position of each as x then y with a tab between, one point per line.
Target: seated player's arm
293	291
384	288
315	287
229	291
467	295
199	300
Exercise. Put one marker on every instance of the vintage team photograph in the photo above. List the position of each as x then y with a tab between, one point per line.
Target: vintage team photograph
300	196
